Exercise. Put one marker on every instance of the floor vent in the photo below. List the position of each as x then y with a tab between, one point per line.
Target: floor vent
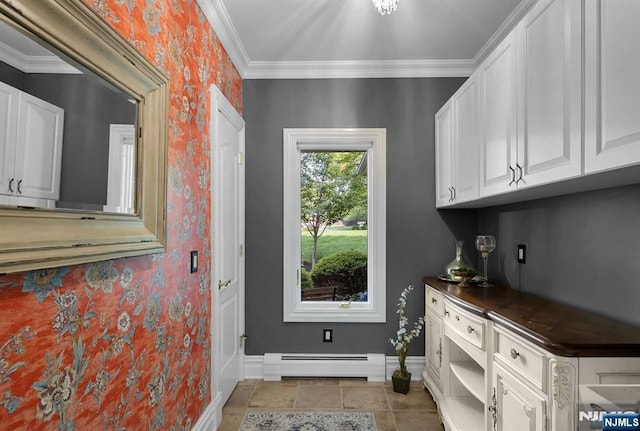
279	365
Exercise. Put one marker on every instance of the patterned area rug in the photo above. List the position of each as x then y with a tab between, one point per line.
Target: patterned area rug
308	421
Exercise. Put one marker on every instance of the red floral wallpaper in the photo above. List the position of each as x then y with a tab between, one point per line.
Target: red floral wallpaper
126	344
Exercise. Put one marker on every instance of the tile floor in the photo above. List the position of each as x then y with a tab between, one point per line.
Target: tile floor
415	411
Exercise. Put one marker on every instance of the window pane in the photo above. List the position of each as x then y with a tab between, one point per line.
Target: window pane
333	225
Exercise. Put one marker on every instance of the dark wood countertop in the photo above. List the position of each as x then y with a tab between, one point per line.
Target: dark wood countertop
560	329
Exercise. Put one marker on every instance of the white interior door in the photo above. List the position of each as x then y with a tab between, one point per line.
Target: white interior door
228	242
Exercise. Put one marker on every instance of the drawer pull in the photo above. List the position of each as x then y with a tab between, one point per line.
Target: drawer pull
470	329
434	301
514	354
457	318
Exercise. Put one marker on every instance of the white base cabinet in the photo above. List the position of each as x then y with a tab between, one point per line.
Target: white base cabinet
484	376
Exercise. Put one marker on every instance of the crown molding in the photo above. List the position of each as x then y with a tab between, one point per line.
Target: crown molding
505	28
359	69
34	63
220	21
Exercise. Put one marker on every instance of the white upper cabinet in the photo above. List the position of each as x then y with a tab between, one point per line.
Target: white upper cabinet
444	155
549	93
557	99
456	146
612	84
8	119
31	149
466	140
498	112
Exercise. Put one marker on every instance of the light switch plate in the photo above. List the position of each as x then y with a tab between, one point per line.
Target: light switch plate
193	263
522	253
327	335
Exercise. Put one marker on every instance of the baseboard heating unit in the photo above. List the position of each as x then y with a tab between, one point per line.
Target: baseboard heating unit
279	365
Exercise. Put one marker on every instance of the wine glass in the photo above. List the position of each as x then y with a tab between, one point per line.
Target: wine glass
485	244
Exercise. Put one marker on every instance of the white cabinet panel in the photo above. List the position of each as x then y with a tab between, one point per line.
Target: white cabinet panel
498	113
434	346
8	117
465	166
30	149
612	87
39	148
549	93
457	146
444	155
516	406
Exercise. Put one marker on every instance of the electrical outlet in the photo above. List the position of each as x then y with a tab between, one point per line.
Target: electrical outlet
327	335
522	253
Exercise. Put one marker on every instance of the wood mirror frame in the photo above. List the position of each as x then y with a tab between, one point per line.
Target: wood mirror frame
38	238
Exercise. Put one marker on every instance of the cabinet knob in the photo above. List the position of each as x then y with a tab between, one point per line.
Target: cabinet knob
11	185
470	329
514	354
434	301
446	313
457	318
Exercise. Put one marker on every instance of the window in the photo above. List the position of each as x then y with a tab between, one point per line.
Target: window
334	178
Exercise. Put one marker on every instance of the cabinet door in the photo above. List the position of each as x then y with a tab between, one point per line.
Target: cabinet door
517	407
444	154
434	347
612	87
498	110
549	93
466	141
39	148
8	123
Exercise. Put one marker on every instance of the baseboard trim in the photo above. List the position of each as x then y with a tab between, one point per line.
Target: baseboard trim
254	366
208	420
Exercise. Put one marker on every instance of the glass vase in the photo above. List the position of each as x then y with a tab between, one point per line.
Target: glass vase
459	269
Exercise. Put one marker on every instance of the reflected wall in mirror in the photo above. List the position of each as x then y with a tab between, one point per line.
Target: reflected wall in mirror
83	151
93	166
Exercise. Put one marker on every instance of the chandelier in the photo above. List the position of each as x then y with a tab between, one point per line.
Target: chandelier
385	7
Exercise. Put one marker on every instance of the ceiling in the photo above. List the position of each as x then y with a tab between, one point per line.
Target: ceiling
349	38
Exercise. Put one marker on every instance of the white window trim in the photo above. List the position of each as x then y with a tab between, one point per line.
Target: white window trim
373	141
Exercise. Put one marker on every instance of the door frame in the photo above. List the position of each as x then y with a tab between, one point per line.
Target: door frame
221	106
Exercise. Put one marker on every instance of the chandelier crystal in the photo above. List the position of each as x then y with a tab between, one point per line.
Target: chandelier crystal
385	7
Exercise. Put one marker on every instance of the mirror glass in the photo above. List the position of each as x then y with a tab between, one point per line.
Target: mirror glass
67	137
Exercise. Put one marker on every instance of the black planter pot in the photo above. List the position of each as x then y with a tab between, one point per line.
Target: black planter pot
401	383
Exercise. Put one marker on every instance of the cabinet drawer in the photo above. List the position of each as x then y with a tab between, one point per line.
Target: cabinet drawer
465	324
435	301
521	357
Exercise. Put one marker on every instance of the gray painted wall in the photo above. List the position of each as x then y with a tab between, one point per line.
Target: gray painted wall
583	249
12	76
419	238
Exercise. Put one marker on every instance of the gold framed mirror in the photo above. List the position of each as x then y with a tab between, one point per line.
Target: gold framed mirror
36	238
